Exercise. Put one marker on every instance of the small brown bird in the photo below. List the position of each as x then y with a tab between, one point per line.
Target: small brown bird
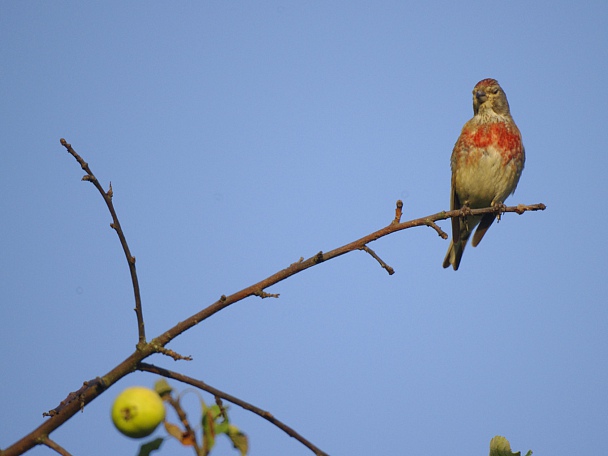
487	161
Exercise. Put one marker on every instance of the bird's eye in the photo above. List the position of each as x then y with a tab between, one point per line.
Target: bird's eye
495	91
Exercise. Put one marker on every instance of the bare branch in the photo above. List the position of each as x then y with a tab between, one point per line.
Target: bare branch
107	197
320	257
227	397
78	396
77	400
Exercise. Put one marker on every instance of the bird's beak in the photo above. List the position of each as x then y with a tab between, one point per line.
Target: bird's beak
481	96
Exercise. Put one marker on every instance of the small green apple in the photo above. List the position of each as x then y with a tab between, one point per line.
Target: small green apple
137	411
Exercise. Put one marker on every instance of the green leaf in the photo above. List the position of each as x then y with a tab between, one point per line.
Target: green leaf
500	446
215	411
222	427
215	423
149	447
239	440
162	387
208	430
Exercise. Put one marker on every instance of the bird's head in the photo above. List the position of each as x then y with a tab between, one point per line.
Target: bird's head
488	98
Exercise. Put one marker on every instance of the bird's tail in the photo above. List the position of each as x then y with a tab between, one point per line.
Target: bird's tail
454	254
460	237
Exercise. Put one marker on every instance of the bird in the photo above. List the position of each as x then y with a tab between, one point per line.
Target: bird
487	162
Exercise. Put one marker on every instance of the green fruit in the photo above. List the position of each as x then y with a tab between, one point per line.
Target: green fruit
137	411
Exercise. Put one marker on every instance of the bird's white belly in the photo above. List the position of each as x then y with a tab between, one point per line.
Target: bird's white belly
485	181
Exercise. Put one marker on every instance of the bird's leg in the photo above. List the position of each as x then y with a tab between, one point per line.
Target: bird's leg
465	212
501	208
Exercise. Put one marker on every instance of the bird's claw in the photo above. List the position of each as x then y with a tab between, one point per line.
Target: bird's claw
500	207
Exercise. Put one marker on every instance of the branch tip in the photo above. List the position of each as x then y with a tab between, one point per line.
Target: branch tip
385	266
262	294
442	234
297	262
398	212
172	354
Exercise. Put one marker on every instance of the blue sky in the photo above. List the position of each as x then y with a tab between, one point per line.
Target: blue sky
240	136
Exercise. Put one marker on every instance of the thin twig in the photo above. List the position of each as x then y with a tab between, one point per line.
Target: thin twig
442	234
262	294
189	432
54	446
390	270
172	354
220	404
227	397
107	197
